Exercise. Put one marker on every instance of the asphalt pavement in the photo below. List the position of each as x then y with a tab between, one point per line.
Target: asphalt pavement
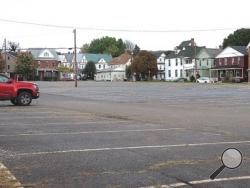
104	134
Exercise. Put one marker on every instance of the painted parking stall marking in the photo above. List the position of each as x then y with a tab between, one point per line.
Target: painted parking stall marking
197	182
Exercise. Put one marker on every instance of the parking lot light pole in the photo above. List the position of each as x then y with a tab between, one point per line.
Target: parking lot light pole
74	31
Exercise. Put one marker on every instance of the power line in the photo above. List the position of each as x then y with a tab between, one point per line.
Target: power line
115	30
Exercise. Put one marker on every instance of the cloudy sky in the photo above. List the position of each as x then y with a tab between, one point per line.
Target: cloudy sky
152	24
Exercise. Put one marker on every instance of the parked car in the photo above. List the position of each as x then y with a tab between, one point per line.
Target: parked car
204	80
18	92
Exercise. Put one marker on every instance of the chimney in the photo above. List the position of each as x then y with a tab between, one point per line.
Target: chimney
192	42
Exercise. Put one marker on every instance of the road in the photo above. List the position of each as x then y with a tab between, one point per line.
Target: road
104	134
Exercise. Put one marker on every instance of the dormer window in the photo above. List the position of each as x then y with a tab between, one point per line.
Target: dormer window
46	54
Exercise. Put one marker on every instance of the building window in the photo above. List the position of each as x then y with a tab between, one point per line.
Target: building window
225	61
176	62
8	67
238	60
200	63
169	63
207	62
99	66
176	73
181	73
181	62
232	60
8	57
238	73
169	73
187	61
104	66
220	62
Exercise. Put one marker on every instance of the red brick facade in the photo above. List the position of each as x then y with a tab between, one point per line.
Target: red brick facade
47	69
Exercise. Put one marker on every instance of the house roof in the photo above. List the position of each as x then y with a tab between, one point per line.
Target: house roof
14	54
248	45
172	55
97	57
213	52
241	49
37	51
185	43
89	57
122	59
158	53
190	51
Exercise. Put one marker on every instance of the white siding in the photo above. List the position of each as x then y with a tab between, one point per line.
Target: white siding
173	69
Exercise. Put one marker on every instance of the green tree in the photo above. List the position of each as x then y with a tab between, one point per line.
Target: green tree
144	65
26	65
90	70
64	69
84	48
240	37
136	50
108	45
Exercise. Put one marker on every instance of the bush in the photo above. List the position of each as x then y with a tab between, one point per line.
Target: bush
192	79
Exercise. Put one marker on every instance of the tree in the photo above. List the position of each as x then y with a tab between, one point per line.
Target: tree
144	65
64	69
90	70
240	37
130	46
26	65
13	46
108	45
84	48
136	50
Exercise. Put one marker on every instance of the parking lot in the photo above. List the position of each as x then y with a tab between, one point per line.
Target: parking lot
105	134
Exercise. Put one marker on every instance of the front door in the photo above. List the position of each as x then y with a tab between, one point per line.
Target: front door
6	88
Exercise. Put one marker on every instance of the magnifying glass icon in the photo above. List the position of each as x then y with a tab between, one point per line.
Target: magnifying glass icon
231	158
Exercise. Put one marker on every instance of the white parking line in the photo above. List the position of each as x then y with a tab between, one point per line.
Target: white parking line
200	182
7	179
91	132
63	123
129	148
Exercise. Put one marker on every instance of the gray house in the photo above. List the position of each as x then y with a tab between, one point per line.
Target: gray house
205	61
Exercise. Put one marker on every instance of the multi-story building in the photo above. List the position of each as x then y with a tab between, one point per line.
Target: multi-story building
205	62
46	63
232	64
181	62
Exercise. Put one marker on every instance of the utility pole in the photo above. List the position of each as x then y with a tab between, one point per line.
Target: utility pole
76	66
5	56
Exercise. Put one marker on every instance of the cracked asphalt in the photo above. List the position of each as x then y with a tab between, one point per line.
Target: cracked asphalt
104	134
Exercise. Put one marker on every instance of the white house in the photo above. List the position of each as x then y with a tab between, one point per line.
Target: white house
161	56
117	69
181	62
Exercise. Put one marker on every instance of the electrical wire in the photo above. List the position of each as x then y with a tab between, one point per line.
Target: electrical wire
115	30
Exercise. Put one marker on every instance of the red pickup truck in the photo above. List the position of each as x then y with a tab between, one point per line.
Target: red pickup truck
18	92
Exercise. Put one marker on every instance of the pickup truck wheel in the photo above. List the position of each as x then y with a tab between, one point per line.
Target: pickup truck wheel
14	101
24	98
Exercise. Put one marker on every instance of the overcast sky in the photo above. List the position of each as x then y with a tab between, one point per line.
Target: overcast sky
157	15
